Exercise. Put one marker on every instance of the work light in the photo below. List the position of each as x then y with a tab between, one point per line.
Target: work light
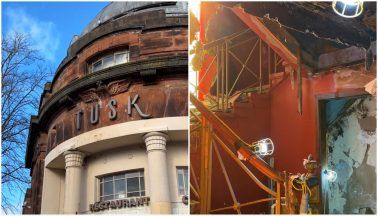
331	175
348	8
262	147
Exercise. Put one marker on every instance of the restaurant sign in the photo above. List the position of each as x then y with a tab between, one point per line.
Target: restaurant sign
117	204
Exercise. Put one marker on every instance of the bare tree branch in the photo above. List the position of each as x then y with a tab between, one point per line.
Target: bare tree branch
23	76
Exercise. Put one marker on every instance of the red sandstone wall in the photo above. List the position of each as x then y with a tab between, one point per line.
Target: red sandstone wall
166	98
142	46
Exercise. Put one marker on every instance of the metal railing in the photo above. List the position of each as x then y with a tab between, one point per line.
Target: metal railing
226	139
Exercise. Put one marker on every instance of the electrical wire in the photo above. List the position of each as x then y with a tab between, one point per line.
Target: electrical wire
337	40
304	186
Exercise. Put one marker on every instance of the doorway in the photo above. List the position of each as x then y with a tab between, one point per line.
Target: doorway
348	151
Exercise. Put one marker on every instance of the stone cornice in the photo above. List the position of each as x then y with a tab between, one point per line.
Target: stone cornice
140	22
64	97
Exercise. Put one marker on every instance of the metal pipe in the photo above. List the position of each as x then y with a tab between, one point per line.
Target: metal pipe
269	66
225	174
194	177
230	137
242	42
205	182
207	70
260	60
194	191
222	39
278	199
222	66
244	65
275	62
244	168
226	65
299	77
218	76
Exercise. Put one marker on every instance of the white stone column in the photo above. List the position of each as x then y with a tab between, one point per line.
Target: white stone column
74	162
158	173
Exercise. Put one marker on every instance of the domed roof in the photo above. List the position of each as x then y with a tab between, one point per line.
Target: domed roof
116	10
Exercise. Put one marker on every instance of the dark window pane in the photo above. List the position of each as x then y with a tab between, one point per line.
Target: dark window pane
120	58
180	183
142	183
108	188
182	180
186	180
120	187
132	174
120	196
107	61
108	178
134	194
132	184
101	189
108	197
122	176
97	66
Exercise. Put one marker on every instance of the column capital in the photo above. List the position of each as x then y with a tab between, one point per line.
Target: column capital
73	158
155	141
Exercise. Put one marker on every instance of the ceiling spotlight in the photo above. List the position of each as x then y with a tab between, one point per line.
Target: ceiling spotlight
348	8
331	175
262	147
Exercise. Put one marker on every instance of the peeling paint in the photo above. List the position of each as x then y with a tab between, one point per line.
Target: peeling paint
352	154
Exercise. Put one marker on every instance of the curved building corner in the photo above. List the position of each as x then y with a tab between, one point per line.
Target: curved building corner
112	126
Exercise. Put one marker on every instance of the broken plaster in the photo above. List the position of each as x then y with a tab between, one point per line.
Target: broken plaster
352	154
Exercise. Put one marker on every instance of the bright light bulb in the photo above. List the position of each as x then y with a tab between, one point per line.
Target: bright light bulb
331	175
263	147
350	2
348	9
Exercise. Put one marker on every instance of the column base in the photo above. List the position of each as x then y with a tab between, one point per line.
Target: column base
161	208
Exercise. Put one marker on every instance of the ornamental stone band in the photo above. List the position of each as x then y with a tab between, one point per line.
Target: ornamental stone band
155	141
73	158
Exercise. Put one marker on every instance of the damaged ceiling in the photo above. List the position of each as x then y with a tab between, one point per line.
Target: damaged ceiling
312	25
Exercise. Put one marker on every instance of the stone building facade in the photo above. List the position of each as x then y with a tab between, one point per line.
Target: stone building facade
111	131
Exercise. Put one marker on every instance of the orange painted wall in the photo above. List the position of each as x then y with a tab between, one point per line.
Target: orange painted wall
251	122
295	135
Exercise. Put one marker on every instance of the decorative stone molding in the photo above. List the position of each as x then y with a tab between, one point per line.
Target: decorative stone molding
118	86
89	95
103	90
73	158
155	141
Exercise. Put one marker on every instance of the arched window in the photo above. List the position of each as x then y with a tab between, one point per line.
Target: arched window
113	59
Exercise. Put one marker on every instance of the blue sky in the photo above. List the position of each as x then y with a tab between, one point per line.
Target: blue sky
51	25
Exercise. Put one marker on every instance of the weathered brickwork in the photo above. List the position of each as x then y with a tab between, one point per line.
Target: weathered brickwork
155	41
144	45
165	98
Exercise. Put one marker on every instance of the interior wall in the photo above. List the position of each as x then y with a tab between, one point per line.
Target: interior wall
351	153
250	120
295	134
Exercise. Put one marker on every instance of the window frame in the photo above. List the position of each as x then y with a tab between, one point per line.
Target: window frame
139	173
186	185
113	55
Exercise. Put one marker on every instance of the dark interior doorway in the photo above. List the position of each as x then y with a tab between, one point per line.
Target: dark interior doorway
348	147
